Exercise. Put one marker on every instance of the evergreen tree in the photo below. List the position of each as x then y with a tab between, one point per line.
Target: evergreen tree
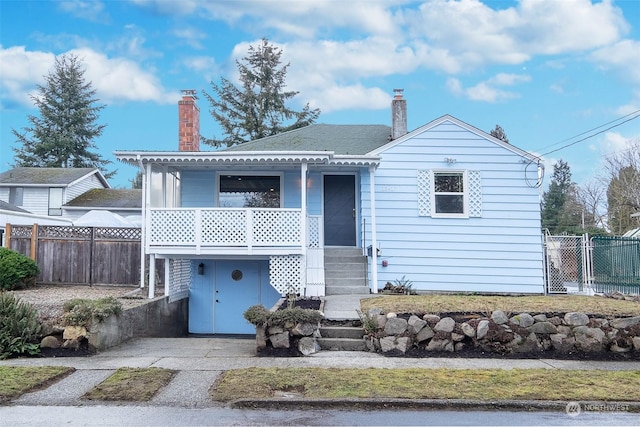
499	133
256	109
63	135
561	210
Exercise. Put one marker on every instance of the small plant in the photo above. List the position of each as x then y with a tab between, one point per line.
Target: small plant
294	315
16	270
369	323
291	296
80	312
19	327
257	315
400	286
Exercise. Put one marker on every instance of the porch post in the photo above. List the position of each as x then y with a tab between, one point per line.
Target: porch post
374	237
303	224
144	225
152	276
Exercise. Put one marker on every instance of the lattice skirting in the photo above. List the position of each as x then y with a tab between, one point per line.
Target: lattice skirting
286	273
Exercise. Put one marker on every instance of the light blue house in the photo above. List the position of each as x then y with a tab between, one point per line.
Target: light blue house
447	206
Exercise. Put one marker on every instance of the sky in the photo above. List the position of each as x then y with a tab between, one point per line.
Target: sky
561	77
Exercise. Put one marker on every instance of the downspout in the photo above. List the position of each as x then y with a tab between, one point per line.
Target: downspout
303	224
143	225
374	237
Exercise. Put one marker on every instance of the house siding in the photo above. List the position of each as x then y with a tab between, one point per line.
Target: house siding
81	187
498	252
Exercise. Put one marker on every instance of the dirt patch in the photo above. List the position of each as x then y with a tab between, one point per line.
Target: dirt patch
305	303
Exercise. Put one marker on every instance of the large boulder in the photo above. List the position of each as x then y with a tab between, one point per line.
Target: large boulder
576	319
304	329
424	334
50	341
280	340
589	339
395	326
547	328
308	345
499	318
440	345
416	324
445	325
625	322
523	319
392	343
482	329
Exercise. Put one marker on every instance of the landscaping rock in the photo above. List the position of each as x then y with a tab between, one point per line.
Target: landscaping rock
72	344
416	324
459	346
576	319
543	328
529	345
261	336
390	343
617	349
395	326
523	319
540	318
445	325
431	319
457	337
280	340
74	332
636	343
555	321
391	315
562	343
373	312
50	341
589	339
468	330
562	329
483	328
382	321
276	329
499	317
424	334
440	345
304	329
308	345
625	322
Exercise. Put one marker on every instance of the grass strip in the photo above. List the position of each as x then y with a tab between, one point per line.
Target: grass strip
480	384
131	384
17	380
485	304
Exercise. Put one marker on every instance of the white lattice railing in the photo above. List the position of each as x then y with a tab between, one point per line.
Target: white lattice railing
216	228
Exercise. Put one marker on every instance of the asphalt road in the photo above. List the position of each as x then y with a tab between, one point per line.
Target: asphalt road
172	416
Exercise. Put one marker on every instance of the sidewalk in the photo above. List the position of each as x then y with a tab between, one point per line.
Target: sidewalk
200	361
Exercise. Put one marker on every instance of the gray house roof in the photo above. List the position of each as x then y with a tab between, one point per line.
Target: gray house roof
340	139
9	207
108	198
47	176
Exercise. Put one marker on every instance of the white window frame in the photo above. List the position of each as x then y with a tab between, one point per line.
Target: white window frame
465	194
16	196
56	195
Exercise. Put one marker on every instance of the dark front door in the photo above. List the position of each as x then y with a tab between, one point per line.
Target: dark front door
340	210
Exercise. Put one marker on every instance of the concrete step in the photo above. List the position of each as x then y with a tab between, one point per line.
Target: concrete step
345	281
341	332
345	268
341	259
346	290
342	344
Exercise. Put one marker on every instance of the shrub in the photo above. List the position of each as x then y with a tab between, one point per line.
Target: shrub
19	327
16	270
257	315
80	312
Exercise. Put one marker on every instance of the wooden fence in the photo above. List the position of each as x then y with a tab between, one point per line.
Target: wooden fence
80	255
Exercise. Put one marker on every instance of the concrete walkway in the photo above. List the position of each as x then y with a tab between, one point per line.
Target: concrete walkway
201	360
343	307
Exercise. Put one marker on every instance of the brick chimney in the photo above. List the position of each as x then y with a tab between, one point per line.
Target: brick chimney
188	122
398	115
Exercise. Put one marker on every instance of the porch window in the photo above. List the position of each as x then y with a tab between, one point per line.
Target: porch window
249	191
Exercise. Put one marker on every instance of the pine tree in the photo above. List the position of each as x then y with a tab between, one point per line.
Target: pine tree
561	210
256	109
499	133
64	132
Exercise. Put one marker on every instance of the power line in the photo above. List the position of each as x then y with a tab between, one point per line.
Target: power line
591	136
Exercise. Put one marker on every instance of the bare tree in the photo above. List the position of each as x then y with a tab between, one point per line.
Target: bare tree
622	171
592	196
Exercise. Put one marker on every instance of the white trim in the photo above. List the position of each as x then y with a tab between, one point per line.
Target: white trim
374	232
465	194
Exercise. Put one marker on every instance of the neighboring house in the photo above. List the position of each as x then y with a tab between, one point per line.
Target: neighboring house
63	194
449	208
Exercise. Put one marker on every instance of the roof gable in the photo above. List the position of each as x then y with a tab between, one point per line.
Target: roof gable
63	177
450	119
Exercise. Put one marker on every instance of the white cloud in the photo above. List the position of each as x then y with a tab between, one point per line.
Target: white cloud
21	71
114	79
622	57
614	142
92	10
191	36
488	90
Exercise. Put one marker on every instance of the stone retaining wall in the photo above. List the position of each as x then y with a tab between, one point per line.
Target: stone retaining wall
524	333
156	318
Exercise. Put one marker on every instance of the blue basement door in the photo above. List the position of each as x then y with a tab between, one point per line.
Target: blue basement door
237	288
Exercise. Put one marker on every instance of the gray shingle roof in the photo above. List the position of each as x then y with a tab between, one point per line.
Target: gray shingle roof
44	176
9	207
340	139
108	198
